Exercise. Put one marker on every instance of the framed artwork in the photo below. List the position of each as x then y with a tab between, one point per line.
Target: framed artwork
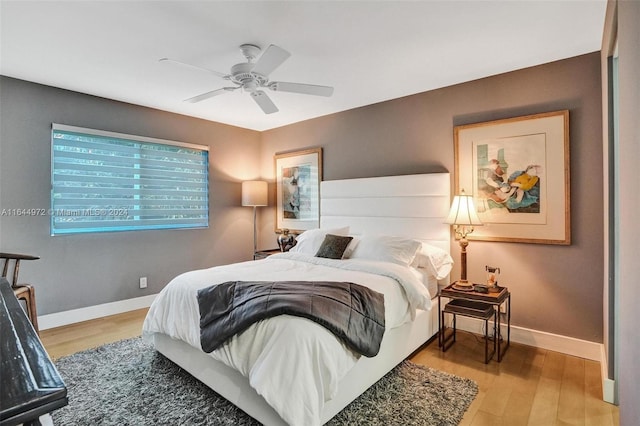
298	176
518	172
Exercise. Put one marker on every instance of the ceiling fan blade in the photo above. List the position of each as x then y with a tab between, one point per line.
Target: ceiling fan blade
271	59
219	74
307	89
264	102
211	94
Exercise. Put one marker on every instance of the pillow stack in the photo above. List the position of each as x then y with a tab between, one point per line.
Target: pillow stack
337	244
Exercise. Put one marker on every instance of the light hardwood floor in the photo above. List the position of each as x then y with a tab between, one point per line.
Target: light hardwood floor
77	337
530	386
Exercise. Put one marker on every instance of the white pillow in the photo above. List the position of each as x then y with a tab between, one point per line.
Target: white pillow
427	279
386	248
351	247
437	261
310	241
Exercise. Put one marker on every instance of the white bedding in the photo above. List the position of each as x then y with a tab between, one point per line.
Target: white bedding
293	363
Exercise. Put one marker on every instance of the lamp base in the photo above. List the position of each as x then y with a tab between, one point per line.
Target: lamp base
463	285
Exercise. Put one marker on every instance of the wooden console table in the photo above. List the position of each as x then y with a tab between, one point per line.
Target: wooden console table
31	386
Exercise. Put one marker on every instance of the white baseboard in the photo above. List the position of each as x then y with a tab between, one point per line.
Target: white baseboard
608	385
609	391
553	342
539	339
73	316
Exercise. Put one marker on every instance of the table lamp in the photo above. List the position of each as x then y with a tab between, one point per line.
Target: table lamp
463	217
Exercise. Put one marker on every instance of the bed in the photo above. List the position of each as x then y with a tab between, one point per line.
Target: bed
410	207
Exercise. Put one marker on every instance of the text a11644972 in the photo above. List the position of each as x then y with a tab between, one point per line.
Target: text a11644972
65	212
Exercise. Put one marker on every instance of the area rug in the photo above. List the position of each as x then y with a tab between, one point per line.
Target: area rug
129	383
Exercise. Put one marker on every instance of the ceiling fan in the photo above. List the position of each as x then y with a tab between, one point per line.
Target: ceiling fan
252	76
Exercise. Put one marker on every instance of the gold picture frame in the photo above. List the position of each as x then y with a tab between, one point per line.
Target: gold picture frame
298	176
518	172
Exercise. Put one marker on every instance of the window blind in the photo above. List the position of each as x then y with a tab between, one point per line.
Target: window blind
104	181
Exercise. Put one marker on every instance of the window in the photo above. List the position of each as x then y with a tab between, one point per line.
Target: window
104	181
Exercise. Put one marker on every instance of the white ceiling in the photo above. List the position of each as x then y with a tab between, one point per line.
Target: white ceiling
370	51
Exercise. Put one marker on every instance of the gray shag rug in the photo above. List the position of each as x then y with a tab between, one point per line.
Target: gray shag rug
129	383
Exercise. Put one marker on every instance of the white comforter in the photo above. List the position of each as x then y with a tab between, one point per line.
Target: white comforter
293	363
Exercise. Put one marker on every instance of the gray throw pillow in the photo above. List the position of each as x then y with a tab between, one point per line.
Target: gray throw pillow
333	246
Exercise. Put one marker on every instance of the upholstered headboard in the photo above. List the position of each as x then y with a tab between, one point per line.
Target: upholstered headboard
413	206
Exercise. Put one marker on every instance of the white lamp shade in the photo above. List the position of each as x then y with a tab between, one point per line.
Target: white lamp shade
463	211
254	193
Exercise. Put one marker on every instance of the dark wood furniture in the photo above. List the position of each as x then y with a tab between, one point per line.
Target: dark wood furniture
475	305
24	292
263	254
473	309
31	386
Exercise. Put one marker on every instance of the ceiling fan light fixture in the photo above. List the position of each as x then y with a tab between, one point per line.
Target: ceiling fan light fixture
250	86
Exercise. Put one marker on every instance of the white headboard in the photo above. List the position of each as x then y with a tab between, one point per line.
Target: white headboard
413	206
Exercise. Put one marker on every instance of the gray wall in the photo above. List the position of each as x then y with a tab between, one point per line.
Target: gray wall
83	270
629	267
557	289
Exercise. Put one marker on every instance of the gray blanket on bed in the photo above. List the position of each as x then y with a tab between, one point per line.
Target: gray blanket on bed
355	314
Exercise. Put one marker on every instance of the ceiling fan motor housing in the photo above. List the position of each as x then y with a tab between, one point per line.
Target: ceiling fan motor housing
241	74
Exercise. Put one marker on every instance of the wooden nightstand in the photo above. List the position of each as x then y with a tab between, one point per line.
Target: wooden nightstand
475	305
263	254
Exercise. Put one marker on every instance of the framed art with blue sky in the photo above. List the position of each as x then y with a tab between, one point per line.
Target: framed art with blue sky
518	172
